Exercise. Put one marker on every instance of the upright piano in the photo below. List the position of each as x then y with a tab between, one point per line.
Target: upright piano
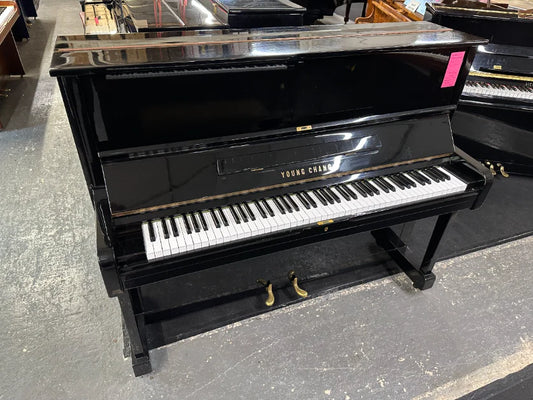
204	151
494	121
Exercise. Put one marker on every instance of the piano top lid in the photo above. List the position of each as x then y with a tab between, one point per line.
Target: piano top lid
78	54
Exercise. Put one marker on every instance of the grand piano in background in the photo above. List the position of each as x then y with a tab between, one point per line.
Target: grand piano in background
112	16
205	152
494	121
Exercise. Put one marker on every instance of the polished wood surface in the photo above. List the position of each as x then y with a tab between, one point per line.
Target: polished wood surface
387	11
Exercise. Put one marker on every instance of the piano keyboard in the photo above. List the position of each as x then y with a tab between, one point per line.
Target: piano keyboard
518	90
183	233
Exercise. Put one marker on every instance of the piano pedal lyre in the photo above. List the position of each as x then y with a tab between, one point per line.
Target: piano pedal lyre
268	286
491	167
502	170
294	280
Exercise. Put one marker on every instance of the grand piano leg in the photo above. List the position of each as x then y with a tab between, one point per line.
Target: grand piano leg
140	358
421	276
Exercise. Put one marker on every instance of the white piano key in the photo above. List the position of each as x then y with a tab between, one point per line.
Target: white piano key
186	236
165	245
148	246
158	249
172	240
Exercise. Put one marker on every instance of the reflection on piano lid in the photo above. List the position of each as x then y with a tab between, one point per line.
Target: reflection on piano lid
205	149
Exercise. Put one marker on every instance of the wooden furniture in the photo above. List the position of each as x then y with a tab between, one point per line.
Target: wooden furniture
10	63
387	11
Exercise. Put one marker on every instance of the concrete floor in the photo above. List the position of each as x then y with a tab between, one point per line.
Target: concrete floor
61	336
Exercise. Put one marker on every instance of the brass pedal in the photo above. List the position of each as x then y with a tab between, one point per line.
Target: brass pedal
268	286
502	170
294	280
491	167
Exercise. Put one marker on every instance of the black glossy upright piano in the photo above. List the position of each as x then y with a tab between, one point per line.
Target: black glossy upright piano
494	121
203	149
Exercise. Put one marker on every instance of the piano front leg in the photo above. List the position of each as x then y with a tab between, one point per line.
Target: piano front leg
421	276
135	331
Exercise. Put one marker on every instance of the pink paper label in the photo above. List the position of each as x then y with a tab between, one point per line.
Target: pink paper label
453	68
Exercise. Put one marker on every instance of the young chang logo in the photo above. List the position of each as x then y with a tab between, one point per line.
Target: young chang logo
314	169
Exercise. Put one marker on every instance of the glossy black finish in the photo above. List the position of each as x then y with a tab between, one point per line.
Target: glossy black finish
256	13
259	83
208	117
494	128
161	15
499	25
152	181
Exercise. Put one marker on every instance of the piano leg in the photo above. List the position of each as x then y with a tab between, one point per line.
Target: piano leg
422	276
140	358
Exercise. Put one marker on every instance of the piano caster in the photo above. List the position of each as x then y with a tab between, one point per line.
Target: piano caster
294	280
502	170
270	299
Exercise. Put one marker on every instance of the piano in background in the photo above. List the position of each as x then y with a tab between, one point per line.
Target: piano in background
10	63
111	16
204	150
494	120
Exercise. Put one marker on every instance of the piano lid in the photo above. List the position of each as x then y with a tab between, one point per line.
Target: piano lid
74	54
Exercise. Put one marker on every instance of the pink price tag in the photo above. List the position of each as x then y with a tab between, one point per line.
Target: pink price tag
452	70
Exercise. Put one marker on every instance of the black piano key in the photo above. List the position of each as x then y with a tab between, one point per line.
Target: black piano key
234	214
371	186
203	221
405	182
268	208
391	187
349	191
443	175
195	223
343	193
332	194
165	229
287	206
422	177
431	175
279	205
381	185
261	209
328	198
249	211
223	217
215	218
397	182
408	180
151	231
187	225
304	201
361	191
365	188
174	227
416	177
309	199
292	203
243	216
320	197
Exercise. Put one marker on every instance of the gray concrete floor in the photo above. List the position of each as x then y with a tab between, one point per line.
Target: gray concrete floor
61	336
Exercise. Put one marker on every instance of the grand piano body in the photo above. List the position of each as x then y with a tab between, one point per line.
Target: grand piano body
204	150
494	120
174	15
